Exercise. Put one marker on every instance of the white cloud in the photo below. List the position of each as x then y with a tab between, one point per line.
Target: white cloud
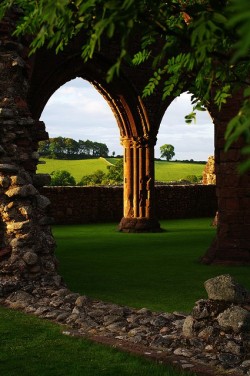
191	141
78	110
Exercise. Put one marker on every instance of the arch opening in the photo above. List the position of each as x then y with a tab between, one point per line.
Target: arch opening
78	111
191	141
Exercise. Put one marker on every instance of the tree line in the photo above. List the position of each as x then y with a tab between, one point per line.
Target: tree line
67	148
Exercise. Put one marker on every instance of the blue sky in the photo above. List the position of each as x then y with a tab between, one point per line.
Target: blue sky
77	110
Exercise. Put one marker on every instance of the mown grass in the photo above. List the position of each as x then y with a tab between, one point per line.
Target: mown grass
164	171
172	171
31	346
160	271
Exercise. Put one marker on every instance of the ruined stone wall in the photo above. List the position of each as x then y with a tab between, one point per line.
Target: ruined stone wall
26	243
208	175
97	204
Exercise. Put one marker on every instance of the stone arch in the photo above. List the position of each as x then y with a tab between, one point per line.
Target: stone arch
25	86
136	130
121	96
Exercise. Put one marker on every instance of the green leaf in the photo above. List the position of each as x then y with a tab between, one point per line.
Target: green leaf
127	4
111	30
141	56
190	117
220	18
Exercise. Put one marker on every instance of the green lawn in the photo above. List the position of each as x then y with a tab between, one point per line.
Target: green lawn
164	171
160	271
31	346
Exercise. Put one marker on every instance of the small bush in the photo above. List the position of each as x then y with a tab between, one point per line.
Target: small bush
62	178
194	179
96	178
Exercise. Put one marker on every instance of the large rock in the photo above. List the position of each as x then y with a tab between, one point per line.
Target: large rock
24	191
188	329
235	318
224	287
30	257
19	300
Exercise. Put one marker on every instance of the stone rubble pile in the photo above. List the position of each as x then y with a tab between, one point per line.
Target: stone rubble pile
215	334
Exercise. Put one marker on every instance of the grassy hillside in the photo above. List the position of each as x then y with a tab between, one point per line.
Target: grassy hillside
168	171
164	171
77	168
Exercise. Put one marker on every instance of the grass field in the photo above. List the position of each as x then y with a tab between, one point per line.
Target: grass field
159	271
78	168
164	171
31	346
171	171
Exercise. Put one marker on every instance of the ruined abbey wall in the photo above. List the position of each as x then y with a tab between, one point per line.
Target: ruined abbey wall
26	242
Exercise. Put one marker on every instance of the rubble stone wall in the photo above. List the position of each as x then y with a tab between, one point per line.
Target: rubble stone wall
95	204
26	245
209	176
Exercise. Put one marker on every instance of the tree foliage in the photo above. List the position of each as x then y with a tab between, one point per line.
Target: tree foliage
115	172
204	44
167	151
67	148
62	178
97	178
112	177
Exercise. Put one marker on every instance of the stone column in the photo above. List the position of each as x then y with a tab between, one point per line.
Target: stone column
139	198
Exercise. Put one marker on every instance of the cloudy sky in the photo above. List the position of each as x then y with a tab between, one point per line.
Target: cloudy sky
77	110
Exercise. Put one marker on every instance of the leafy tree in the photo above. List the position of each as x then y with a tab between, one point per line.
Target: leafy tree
100	149
57	147
113	176
44	148
62	178
167	151
71	147
204	44
115	172
97	178
67	148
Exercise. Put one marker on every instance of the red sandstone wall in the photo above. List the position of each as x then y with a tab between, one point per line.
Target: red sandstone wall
73	205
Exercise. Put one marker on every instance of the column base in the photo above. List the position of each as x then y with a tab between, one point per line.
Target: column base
225	255
139	225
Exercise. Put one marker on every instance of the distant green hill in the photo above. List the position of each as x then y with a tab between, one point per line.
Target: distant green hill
171	171
164	171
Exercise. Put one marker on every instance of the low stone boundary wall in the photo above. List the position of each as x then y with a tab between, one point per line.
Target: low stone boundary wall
76	205
186	201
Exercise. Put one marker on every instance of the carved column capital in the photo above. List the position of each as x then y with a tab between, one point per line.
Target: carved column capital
138	141
126	142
